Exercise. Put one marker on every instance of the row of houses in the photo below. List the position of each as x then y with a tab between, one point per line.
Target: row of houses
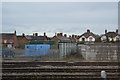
12	40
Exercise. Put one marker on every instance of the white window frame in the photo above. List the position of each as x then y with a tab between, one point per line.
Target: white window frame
9	46
90	39
5	41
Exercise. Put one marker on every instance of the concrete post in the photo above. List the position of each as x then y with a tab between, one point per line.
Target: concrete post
103	74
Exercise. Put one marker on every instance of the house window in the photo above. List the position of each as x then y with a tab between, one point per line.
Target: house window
83	39
5	41
117	39
11	41
9	46
104	38
90	39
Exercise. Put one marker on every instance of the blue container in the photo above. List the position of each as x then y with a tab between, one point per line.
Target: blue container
36	50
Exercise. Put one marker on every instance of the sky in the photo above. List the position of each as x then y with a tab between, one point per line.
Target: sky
52	17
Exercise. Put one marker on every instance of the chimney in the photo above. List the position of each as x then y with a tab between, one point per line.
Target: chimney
44	34
73	36
58	34
36	34
105	31
69	36
116	31
23	35
33	34
65	35
88	30
61	34
15	32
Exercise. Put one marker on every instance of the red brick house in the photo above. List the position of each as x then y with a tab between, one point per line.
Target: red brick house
8	40
21	41
36	37
24	39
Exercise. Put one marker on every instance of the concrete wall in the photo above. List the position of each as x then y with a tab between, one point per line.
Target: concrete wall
67	48
99	51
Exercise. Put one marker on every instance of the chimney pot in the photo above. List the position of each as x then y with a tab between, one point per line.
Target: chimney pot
44	34
88	30
61	34
73	36
36	34
23	34
65	35
69	36
15	32
105	31
58	34
117	31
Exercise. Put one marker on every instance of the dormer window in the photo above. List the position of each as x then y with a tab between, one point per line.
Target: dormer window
90	39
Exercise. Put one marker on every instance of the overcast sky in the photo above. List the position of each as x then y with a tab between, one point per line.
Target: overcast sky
66	17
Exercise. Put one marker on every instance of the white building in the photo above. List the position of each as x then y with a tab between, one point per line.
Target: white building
87	37
110	36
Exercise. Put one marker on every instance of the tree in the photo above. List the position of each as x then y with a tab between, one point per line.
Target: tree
98	39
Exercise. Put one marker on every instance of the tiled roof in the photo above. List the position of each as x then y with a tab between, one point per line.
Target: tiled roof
87	34
111	34
64	39
20	37
7	36
36	37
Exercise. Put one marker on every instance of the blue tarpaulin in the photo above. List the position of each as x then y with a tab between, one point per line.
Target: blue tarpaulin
36	50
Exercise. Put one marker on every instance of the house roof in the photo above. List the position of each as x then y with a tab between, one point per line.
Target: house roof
36	37
87	34
110	34
7	36
20	37
63	38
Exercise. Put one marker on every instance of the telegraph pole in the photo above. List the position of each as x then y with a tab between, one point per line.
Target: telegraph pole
118	52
